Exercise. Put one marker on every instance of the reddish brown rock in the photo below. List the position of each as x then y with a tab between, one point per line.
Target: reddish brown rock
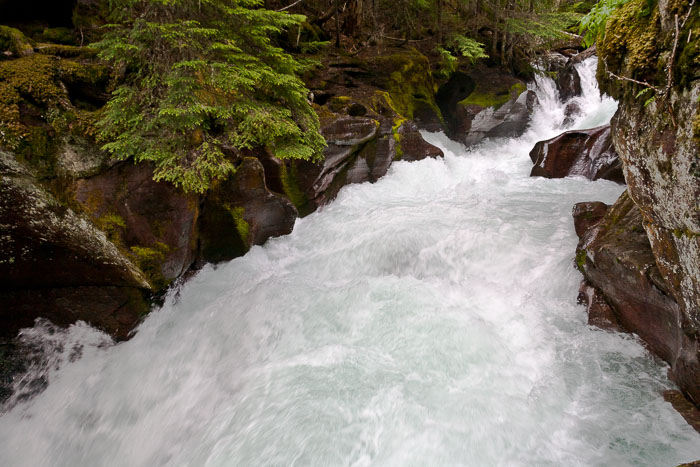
616	258
353	158
241	212
589	153
587	214
599	311
568	81
685	408
413	146
153	221
55	264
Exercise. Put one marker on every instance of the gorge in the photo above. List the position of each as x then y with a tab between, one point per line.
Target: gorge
429	317
294	253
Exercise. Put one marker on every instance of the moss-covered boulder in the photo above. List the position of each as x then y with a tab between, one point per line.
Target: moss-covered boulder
485	103
13	43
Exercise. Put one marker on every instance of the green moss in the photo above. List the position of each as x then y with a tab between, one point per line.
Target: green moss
679	233
409	84
291	189
111	224
339	103
688	62
29	82
150	259
13	41
397	136
581	256
242	225
66	51
630	46
492	98
35	109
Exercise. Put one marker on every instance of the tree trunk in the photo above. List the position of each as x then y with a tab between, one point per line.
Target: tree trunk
337	23
438	26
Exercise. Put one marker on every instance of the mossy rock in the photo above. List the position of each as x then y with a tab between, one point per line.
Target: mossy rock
36	108
407	78
14	42
65	36
292	189
493	97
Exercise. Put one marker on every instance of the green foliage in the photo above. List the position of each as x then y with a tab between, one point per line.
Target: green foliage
458	45
466	47
203	80
593	24
546	26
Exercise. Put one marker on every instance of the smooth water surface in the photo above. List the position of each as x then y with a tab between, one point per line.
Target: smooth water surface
427	319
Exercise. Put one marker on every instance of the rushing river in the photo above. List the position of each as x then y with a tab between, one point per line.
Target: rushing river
427	319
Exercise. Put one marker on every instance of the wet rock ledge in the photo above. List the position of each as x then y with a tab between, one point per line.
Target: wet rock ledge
643	256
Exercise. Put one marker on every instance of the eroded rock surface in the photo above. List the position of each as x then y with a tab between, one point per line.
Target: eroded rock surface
658	142
56	264
241	212
616	258
360	149
153	221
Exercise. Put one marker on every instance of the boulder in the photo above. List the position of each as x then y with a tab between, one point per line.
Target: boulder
153	221
563	67
615	257
589	153
571	112
240	212
485	104
568	81
56	264
686	408
360	149
412	145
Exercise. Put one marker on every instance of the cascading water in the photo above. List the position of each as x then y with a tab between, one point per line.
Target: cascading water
427	319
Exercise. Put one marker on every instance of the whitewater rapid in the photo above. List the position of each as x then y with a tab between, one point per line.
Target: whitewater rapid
427	319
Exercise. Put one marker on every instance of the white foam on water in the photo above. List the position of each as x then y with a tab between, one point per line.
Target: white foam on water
427	319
